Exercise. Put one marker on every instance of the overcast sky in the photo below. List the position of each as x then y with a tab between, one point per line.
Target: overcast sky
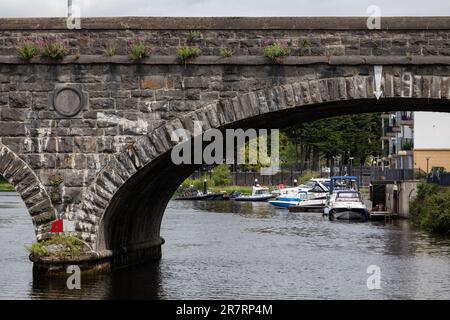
34	8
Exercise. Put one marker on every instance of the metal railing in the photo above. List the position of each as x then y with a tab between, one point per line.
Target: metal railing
442	179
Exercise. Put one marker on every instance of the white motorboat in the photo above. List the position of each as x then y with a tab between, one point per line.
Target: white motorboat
258	194
344	200
289	197
316	199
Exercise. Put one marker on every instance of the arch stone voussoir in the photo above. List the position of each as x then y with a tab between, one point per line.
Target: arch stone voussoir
29	187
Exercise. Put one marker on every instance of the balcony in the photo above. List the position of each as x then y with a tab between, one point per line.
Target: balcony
388	132
397	129
406	118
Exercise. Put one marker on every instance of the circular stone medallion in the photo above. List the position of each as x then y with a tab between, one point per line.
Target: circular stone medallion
67	102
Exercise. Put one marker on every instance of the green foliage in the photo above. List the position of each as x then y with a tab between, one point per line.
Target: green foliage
221	175
193	35
27	51
407	146
276	51
226	53
70	246
430	211
308	176
110	50
420	174
197	183
54	50
56	197
5	186
187	53
37	250
56	181
426	190
357	136
139	51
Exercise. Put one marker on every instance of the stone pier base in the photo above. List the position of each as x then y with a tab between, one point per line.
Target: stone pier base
104	261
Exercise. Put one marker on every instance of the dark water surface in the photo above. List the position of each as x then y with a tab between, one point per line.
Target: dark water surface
226	250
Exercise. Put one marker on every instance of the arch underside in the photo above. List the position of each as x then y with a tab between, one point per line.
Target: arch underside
32	192
123	209
134	214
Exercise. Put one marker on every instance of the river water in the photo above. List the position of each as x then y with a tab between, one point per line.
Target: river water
229	250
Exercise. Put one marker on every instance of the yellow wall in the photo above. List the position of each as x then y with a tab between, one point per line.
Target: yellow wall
439	158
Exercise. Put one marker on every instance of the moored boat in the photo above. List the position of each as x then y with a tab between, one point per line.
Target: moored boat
316	199
345	201
289	199
258	194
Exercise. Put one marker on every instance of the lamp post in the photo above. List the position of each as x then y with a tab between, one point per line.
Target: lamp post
69	8
402	154
351	165
428	161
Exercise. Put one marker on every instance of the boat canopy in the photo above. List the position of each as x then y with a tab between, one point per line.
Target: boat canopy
353	180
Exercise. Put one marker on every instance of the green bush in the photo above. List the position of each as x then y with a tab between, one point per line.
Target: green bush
407	146
138	50
420	174
276	51
221	176
5	186
186	54
426	190
27	51
193	36
54	50
226	53
71	244
110	51
308	176
38	250
430	210
197	183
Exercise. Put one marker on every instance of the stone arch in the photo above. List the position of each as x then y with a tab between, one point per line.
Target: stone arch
148	158
31	190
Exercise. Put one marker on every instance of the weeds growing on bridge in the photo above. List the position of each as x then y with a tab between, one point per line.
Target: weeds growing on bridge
226	53
277	51
58	246
110	50
186	54
193	35
27	51
138	50
54	50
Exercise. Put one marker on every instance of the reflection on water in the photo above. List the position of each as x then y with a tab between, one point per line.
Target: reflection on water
233	250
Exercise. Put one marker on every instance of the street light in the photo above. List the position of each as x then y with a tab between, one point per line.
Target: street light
351	165
428	161
69	8
402	154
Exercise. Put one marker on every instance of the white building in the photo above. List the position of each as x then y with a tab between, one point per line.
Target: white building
397	139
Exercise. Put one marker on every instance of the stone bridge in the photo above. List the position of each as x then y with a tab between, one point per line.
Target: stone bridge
88	137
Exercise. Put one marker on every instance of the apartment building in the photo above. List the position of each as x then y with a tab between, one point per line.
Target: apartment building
397	139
